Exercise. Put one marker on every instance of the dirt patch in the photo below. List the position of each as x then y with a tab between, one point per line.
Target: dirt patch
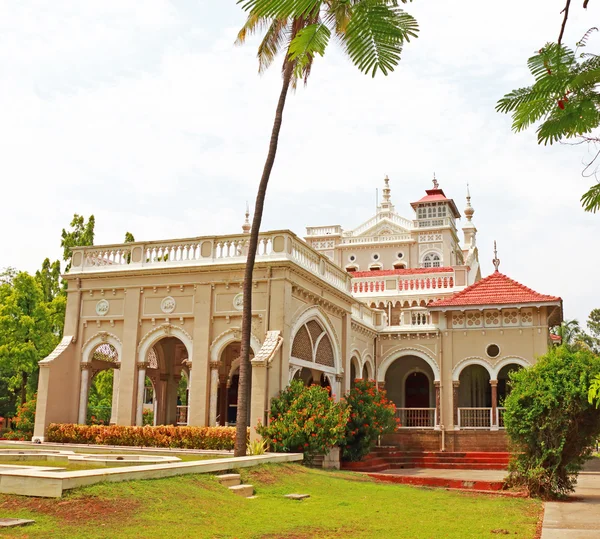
269	475
308	533
74	510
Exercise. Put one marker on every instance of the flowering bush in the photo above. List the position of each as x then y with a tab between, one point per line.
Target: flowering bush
148	436
147	417
304	419
371	415
23	423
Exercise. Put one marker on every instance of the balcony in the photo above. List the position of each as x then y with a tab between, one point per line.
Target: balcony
416	418
206	251
405	285
324	230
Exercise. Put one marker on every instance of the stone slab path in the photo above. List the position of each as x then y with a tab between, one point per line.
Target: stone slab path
579	518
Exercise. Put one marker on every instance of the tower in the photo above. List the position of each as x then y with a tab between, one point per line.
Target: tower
469	230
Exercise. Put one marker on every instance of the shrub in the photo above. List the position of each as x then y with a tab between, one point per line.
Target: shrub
304	419
371	415
551	422
147	417
23	422
149	436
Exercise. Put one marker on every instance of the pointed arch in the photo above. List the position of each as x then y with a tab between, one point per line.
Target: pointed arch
102	337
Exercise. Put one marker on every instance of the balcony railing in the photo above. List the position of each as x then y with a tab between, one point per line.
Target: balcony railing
203	251
323	230
393	238
474	418
182	415
394	285
416	418
500	417
397	219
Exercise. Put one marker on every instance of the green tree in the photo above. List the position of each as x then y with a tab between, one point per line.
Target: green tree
100	397
551	422
569	332
81	235
26	334
564	99
372	34
129	237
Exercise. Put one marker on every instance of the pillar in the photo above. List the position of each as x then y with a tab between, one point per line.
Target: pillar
437	385
115	397
214	386
494	420
139	411
258	396
455	384
337	388
83	393
222	402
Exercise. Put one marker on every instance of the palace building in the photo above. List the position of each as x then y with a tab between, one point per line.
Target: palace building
401	301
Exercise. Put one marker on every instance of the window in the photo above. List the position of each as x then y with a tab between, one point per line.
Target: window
493	350
399	265
375	256
400	255
375	267
432	260
352	258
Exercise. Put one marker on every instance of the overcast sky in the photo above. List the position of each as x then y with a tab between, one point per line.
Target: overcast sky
146	115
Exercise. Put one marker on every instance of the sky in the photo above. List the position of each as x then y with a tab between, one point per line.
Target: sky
147	116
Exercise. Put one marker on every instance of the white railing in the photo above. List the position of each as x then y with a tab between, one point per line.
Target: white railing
376	239
416	418
182	415
435	222
474	418
274	246
500	417
323	230
395	218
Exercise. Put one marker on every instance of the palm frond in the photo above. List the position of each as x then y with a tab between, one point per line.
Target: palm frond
375	35
275	39
307	43
253	24
591	199
282	8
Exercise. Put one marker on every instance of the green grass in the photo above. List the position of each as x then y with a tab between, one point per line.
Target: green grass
341	504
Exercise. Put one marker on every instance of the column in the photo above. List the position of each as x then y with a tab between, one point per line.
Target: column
455	385
189	391
83	392
214	386
494	419
139	412
337	388
115	397
438	415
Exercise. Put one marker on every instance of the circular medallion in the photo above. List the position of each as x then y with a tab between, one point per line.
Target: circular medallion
167	305
102	307
238	301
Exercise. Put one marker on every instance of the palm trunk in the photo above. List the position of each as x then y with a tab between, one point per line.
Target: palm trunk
244	379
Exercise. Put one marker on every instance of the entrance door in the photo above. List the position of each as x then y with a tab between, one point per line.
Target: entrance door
416	391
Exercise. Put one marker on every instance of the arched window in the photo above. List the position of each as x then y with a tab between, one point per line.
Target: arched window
432	260
312	343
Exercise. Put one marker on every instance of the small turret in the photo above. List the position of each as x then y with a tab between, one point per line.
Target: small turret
469	230
246	226
386	204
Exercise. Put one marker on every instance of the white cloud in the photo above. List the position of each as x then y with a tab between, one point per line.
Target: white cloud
150	118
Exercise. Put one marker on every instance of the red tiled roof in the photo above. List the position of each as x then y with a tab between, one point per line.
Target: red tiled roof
407	271
556	338
495	289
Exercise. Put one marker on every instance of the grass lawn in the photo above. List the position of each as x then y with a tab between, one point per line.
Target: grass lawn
342	504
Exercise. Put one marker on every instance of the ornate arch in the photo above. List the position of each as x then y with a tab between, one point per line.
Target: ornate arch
315	312
160	332
229	336
102	337
355	355
368	362
399	352
509	360
473	360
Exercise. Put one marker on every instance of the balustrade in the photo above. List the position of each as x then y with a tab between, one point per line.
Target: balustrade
182	415
474	418
500	417
416	418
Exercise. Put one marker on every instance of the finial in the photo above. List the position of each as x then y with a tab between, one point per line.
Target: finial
435	182
386	193
246	226
496	260
469	211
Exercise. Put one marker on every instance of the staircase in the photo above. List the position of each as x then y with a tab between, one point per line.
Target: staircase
234	483
393	458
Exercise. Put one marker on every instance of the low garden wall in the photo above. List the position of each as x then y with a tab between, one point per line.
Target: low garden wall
220	438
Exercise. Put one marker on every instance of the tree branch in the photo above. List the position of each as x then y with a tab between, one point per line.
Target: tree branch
564	23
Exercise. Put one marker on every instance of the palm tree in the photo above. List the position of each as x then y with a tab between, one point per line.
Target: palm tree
569	332
372	33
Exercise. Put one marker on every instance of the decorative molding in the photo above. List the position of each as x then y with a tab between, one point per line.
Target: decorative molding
472	360
102	307
166	330
168	304
238	302
401	351
227	337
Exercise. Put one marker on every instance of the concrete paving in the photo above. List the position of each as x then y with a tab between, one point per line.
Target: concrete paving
578	518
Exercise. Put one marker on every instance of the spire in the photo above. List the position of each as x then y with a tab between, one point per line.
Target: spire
246	226
496	260
386	204
436	184
469	211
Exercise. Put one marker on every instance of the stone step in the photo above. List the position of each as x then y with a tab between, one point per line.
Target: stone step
229	479
246	491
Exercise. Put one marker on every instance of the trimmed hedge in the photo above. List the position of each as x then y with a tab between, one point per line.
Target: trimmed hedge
149	436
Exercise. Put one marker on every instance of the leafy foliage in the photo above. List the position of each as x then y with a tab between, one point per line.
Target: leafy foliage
147	436
551	422
371	415
304	419
564	100
23	423
82	234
